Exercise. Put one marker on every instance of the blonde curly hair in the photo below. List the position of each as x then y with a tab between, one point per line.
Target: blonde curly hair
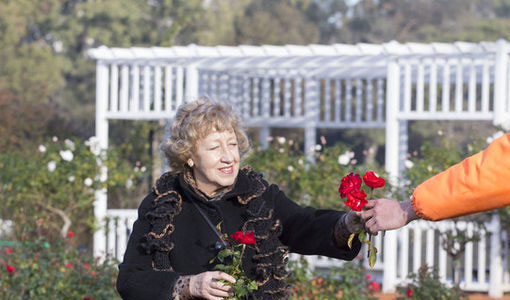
196	120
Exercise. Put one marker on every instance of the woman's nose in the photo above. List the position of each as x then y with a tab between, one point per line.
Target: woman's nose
227	155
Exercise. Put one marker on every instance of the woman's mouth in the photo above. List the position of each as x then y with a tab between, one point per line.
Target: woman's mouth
227	170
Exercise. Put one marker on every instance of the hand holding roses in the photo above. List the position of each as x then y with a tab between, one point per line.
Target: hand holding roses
350	188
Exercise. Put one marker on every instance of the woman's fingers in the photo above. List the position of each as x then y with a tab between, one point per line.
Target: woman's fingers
206	285
218	285
224	276
216	292
211	297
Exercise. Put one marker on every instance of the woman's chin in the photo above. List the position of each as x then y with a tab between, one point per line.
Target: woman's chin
226	182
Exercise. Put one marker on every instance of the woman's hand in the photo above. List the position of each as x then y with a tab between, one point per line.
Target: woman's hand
207	285
353	221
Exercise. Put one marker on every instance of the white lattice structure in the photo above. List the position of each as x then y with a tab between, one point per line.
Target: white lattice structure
310	87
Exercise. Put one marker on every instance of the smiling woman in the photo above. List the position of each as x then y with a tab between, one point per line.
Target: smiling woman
206	196
215	162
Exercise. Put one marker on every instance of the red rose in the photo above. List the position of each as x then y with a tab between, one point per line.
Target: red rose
369	276
356	200
87	298
70	234
373	180
8	251
10	269
249	238
244	238
409	292
349	183
238	236
86	266
374	286
68	265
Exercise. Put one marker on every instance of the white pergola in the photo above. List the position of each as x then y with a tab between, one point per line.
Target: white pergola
310	87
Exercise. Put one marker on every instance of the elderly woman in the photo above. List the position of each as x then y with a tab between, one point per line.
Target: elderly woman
175	237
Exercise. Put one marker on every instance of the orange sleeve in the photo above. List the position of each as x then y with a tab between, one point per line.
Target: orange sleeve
479	183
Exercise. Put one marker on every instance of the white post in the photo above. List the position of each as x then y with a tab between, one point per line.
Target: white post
312	115
191	82
167	134
100	203
496	264
500	89
403	144
264	134
392	166
392	123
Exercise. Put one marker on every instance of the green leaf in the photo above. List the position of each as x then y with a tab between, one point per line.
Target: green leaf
252	285
226	252
220	267
240	282
373	256
362	236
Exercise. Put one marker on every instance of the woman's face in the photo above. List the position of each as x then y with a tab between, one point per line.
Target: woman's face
216	161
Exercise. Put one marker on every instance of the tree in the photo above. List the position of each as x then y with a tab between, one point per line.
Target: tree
277	23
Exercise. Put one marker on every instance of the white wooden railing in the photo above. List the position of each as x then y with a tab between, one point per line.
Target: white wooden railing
291	98
448	88
119	224
145	90
485	265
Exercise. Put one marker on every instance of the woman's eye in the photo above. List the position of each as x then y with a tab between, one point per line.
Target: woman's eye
214	148
233	144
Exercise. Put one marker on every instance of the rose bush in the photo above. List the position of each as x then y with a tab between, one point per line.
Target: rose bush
52	187
426	285
348	282
38	269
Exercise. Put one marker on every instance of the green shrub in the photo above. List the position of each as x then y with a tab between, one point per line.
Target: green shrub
38	269
55	185
426	285
348	282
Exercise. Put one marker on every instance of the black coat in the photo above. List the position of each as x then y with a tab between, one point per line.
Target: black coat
171	238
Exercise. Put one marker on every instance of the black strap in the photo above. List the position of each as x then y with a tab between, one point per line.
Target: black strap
208	222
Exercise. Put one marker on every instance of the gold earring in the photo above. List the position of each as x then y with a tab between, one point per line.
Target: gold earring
190	163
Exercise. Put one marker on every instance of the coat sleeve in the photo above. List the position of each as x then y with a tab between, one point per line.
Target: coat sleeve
479	183
137	279
309	231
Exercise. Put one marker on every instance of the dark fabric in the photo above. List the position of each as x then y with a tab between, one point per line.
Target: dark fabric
171	238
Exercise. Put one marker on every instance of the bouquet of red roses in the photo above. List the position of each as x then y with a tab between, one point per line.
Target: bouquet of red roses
350	188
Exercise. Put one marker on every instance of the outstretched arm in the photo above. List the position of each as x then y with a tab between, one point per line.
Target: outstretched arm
479	183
